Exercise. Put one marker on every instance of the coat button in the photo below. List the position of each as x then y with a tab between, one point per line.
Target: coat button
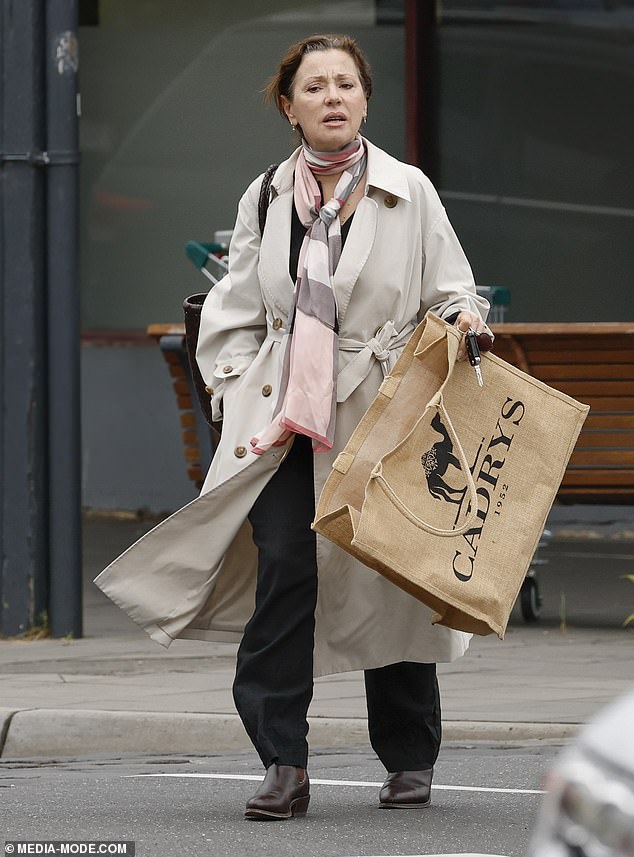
227	369
390	201
209	390
240	451
277	323
267	390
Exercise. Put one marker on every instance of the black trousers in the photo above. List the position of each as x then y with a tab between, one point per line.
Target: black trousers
273	685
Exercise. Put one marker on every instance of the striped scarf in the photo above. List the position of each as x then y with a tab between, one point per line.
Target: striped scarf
308	389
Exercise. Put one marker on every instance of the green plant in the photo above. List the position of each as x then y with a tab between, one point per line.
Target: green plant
39	629
630	618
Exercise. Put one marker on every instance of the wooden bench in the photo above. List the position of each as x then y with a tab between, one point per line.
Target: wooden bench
591	362
594	363
198	439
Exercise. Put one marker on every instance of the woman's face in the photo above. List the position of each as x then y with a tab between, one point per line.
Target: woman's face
327	99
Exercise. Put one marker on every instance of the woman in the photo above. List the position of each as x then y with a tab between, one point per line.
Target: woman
294	343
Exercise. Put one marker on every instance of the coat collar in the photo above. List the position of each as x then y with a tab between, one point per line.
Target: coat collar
386	173
383	172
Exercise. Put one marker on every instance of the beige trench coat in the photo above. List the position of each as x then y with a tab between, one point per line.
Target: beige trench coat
193	576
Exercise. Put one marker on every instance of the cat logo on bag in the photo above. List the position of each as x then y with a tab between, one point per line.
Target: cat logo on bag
435	463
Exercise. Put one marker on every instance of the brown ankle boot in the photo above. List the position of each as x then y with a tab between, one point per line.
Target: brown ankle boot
406	790
284	793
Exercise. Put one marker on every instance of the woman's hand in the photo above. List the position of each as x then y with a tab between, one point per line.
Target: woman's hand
470	320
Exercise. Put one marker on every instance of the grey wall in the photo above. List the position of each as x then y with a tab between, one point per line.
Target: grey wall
132	456
537	171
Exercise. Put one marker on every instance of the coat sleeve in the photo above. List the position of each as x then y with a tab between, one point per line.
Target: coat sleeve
233	320
448	285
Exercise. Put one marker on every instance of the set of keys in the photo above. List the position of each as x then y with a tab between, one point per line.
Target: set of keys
476	343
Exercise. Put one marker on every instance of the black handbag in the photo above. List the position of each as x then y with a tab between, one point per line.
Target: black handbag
192	307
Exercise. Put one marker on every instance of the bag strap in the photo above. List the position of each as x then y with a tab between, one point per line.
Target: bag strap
377	474
193	307
265	196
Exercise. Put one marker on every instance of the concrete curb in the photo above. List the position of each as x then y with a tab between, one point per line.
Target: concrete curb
70	732
5	719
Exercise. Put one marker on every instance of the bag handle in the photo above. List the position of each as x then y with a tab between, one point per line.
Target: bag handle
193	306
377	474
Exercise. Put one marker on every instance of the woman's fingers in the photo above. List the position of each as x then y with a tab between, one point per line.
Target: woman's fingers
471	321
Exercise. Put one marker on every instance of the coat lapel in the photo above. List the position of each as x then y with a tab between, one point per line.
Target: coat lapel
274	276
274	252
386	174
355	253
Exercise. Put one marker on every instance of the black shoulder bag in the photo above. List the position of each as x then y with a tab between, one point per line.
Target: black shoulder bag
192	307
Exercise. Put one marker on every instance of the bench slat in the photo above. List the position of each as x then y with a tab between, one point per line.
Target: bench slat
188	420
596	493
599	477
562	350
622	458
156	331
610	404
195	475
565	329
584	371
589	439
588	357
599	391
599	420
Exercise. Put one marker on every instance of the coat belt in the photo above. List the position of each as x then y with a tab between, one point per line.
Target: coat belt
382	347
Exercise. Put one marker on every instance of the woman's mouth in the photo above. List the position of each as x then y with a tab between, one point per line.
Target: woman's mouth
334	119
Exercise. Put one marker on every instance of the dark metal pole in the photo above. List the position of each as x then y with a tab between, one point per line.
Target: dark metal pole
422	93
62	60
23	484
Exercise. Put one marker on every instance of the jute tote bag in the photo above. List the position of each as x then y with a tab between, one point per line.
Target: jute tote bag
444	486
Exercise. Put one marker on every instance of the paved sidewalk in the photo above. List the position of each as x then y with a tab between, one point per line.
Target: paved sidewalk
117	691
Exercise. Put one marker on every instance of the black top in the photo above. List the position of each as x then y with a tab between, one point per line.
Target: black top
297	237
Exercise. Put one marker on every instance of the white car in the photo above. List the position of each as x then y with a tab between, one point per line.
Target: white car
589	808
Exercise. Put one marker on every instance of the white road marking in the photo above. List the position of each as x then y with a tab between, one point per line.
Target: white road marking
362	783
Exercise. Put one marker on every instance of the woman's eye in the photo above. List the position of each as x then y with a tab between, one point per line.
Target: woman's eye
313	88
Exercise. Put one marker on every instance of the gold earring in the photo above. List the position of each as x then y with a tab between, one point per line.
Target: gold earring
291	123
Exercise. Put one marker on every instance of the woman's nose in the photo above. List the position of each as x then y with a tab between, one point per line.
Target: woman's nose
332	94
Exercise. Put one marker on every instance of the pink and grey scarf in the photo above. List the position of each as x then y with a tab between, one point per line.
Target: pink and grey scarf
308	390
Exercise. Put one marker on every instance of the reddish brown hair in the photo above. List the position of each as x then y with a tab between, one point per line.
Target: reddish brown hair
282	83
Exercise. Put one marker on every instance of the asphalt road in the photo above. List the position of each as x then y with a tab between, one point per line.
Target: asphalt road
171	805
583	583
